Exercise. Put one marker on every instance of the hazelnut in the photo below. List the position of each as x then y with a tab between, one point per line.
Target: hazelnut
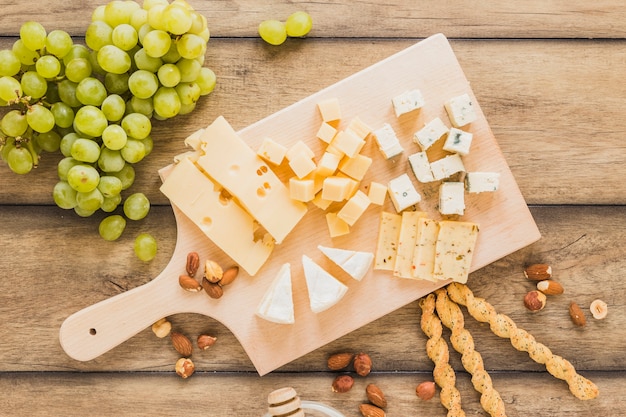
426	390
162	328
342	383
598	309
362	364
205	341
184	367
535	300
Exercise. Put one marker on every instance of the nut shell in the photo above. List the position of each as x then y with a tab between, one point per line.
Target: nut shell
362	364
339	361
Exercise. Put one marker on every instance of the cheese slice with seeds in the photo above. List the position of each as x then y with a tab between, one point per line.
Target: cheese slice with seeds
277	303
455	249
355	263
324	289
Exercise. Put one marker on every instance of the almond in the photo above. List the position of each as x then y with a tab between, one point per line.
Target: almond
342	384
213	272
213	289
577	315
369	410
550	287
538	272
189	284
205	341
181	343
193	263
339	361
229	276
375	396
362	364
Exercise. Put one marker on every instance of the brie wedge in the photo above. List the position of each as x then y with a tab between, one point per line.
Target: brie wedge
324	289
277	303
355	263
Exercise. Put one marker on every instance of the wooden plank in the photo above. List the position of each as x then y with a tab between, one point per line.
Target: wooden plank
546	101
389	18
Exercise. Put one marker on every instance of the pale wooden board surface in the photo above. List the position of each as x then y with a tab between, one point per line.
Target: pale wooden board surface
506	224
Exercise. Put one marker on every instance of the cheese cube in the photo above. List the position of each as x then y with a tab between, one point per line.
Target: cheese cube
458	141
460	110
302	165
336	188
478	182
299	148
301	189
402	193
404	267
320	202
359	128
354	208
353	185
328	164
194	140
336	226
355	167
387	241
421	167
377	193
430	133
452	198
277	303
387	141
329	109
326	132
425	249
447	166
454	250
348	142
272	151
407	102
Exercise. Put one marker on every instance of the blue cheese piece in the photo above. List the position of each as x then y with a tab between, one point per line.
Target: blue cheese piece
402	193
421	167
478	182
447	166
458	141
430	133
454	250
460	110
407	102
452	198
387	141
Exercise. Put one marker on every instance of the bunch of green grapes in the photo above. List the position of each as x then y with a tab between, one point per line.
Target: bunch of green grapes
275	32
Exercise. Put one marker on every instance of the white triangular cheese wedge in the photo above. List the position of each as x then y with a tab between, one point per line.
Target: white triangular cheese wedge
277	303
324	289
355	263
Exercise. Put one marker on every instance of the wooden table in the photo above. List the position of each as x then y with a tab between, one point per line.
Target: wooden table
548	76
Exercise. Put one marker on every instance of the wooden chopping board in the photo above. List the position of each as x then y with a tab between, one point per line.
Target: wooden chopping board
506	224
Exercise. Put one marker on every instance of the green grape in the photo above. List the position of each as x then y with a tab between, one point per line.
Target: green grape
20	160
91	91
98	34
83	213
187	108
189	93
14	123
83	178
39	118
89	201
155	16
63	195
148	144
273	32
10	88
113	108
85	150
166	102
64	166
191	46
298	24
67	93
111	203
124	37
52	95
126	175
136	206
77	51
59	43
48	66
25	55
5	148
33	34
116	83
96	69
169	75
66	143
176	19
113	59
78	69
134	151
139	18
90	120
145	247
112	227
146	62
143	84
136	125
33	84
117	12
156	43
110	186
205	34
111	161
141	105
114	137
98	13
198	23
172	55
63	114
189	70
9	63
206	80
48	141
148	4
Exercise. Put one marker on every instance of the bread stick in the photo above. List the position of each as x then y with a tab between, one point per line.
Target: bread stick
504	327
437	350
451	316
